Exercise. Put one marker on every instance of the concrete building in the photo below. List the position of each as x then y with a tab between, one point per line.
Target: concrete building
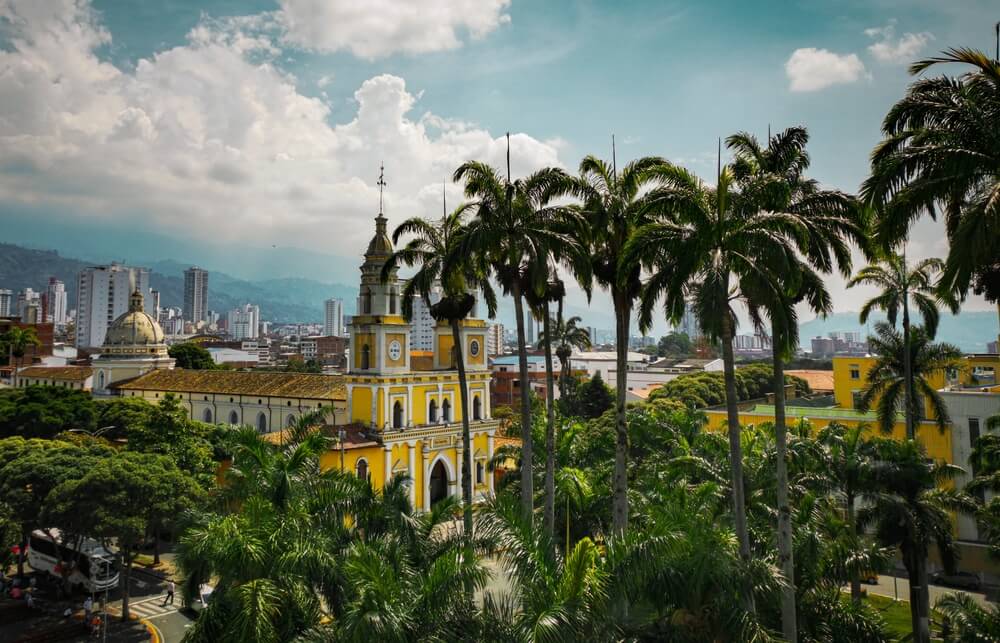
604	362
79	378
422	324
529	329
244	322
505	384
494	339
6	303
103	295
195	294
29	307
54	302
689	324
333	317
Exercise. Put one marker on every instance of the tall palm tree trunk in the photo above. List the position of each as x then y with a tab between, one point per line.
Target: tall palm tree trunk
919	595
908	370
789	626
735	450
549	512
620	484
456	333
527	450
852	525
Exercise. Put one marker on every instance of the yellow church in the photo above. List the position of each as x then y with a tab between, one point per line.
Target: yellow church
404	406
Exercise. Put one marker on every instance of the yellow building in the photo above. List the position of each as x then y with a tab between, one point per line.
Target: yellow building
404	407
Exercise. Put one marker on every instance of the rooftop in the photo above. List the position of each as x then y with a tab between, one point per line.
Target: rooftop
264	384
511	360
818	380
65	373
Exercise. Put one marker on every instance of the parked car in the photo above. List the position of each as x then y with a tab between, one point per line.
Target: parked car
958	580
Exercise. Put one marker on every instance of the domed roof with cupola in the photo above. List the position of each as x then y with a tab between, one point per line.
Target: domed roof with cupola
135	333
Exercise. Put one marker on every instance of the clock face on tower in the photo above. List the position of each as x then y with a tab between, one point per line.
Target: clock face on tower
395	350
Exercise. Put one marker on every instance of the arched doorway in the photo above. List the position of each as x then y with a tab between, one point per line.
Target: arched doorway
261	423
397	415
361	469
439	483
234	417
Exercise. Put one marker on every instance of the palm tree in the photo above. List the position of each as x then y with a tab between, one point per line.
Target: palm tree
566	335
775	174
511	231
967	620
17	340
899	285
910	507
614	206
435	248
850	465
942	149
716	248
886	381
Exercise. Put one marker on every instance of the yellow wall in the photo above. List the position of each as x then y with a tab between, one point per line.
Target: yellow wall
361	404
480	359
445	343
844	385
938	444
359	341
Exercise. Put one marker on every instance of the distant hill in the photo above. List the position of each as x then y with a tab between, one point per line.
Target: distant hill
280	300
969	330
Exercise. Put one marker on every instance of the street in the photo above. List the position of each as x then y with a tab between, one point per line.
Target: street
901	589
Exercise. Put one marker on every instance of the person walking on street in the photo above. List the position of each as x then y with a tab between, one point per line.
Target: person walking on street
170	593
88	608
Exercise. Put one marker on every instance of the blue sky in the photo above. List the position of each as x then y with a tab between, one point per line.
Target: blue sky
219	127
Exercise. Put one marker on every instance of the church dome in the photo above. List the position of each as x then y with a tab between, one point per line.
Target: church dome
380	245
135	328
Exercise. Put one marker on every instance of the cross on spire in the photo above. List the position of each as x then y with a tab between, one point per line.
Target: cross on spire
381	185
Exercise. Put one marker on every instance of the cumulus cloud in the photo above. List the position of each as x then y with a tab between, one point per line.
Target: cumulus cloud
213	137
810	69
378	28
889	49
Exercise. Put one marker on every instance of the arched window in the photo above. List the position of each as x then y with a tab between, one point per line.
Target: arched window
262	423
479	472
432	412
446	410
392	302
234	417
207	415
361	469
290	421
365	357
366	301
100	379
397	415
477	408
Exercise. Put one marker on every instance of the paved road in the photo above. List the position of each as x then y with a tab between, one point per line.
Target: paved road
885	587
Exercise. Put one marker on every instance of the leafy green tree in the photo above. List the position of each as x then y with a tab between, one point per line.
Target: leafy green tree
435	247
615	205
966	621
298	365
910	508
30	470
170	432
120	413
589	399
899	286
716	247
885	386
512	230
17	340
192	355
674	344
45	411
940	152
566	335
118	499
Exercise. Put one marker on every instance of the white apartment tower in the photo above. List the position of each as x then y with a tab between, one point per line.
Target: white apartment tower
29	307
55	302
422	323
195	294
103	296
244	322
6	302
494	339
333	317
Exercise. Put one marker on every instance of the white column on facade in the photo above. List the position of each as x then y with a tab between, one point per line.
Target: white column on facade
350	398
388	464
412	472
489	456
440	403
386	409
427	478
409	405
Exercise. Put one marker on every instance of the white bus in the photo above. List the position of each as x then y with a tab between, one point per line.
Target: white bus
94	567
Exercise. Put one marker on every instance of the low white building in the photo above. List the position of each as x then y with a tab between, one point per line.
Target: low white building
604	362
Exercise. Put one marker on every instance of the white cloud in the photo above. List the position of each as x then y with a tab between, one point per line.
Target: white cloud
379	28
211	138
889	49
810	69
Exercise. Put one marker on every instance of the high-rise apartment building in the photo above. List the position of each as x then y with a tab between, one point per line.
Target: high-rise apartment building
6	302
195	294
422	323
54	302
103	296
689	324
244	322
333	317
29	307
494	339
529	329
